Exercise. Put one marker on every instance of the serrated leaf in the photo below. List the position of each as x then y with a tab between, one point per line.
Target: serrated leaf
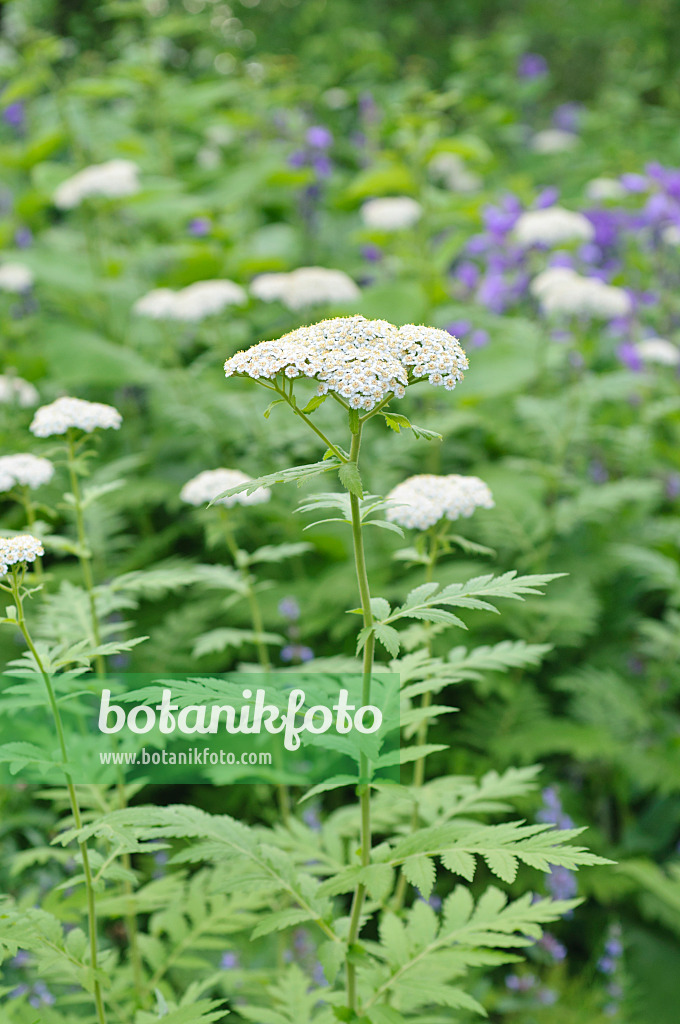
420	872
350	478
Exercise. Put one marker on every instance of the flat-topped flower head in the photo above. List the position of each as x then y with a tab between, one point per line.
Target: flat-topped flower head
15	277
391	213
421	501
17	550
17	390
552	226
306	286
114	179
363	361
562	290
190	304
65	413
654	350
27	470
205	487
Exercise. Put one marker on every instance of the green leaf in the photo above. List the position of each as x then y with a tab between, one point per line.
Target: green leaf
420	871
268	411
388	637
314	403
350	478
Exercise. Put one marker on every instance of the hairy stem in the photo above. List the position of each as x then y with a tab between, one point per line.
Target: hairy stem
73	799
364	789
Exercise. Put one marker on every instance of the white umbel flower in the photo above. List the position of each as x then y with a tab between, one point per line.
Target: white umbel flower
114	179
654	350
157	304
15	550
305	287
552	226
560	290
671	234
553	140
16	389
205	487
15	277
450	170
604	188
421	501
391	213
28	470
362	361
59	416
190	304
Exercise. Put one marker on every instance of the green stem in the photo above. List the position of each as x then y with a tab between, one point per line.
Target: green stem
84	558
364	789
84	555
312	426
73	798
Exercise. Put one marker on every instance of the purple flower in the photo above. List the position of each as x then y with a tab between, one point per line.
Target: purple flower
501	219
22	959
613	947
532	65
629	356
229	961
199	227
566	117
368	109
289	608
547	197
19	991
520	982
23	237
590	253
459	328
14	115
493	292
547	996
561	258
311	818
297	652
319	137
478	338
561	883
297	159
607	224
467	273
606	964
552	947
478	244
673	486
318	975
597	471
634	182
321	164
372	253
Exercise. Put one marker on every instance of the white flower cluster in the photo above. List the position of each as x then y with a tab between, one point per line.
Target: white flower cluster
205	487
190	304
552	226
28	470
604	188
16	389
14	550
114	179
391	213
57	417
304	287
561	290
363	361
656	350
671	234
450	170
421	501
553	140
15	277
